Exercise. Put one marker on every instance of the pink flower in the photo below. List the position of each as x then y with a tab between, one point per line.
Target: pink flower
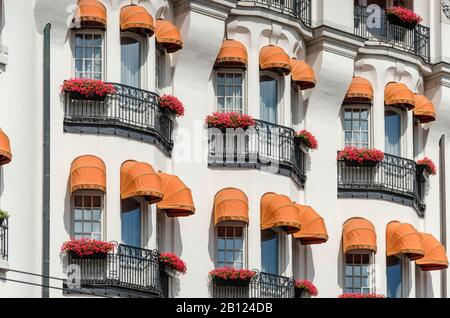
172	103
359	295
172	261
87	87
429	165
307	286
360	156
405	15
86	247
231	273
229	120
308	139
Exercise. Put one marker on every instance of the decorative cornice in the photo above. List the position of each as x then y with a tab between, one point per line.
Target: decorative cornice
218	9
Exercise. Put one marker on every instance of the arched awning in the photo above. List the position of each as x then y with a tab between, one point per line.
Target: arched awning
5	149
230	204
424	110
435	256
139	179
168	36
136	19
274	58
177	200
303	74
399	95
313	229
278	211
88	173
232	53
360	90
90	13
403	238
359	234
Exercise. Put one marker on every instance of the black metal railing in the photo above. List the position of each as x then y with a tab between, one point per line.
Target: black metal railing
300	9
269	147
415	41
128	268
129	112
4	240
394	179
262	285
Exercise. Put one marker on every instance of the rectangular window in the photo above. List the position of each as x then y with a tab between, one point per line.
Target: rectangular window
87	216
230	91
230	246
356	127
159	69
270	249
88	55
394	273
358	273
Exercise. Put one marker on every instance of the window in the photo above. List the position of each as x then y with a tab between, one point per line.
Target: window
87	217
88	55
230	246
229	91
356	126
269	98
394	272
131	220
270	252
359	273
159	68
393	132
131	50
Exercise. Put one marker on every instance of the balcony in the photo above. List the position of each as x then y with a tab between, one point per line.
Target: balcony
125	272
4	241
263	285
130	112
416	41
299	9
394	179
267	147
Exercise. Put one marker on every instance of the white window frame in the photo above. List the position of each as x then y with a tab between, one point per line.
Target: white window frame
280	106
244	86
160	68
244	244
93	32
372	270
83	193
143	62
403	140
359	106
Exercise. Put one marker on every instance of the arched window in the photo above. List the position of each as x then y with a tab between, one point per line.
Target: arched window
393	132
88	215
269	97
131	60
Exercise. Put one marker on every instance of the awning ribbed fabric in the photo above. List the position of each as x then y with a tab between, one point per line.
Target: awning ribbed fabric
435	256
88	172
274	58
168	35
359	234
424	110
313	229
399	95
5	149
360	90
90	13
177	200
403	238
136	19
139	179
278	211
230	204
232	54
303	74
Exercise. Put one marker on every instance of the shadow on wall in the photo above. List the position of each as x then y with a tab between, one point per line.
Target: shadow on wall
211	248
1	181
310	271
67	209
340	267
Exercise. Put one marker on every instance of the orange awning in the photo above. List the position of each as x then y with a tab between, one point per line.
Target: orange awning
5	149
424	110
402	238
139	179
136	18
359	234
232	53
313	229
177	200
87	173
230	204
360	90
279	211
398	94
303	74
168	36
435	256
90	13
274	58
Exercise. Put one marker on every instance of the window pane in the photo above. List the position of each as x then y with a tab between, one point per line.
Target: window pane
221	231
87	227
79	40
78	227
230	257
348	270
221	256
347	114
97	40
238	79
357	282
221	244
96	227
357	270
78	214
220	90
229	244
238	244
78	201
230	231
348	282
96	201
229	79
220	79
87	214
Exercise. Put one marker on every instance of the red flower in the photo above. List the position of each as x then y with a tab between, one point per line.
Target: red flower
360	156
429	165
358	295
405	15
307	139
173	104
87	87
231	273
86	247
172	261
229	120
307	286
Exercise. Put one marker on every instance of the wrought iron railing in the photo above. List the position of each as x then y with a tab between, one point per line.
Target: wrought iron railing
129	112
415	41
262	285
300	9
269	147
129	268
394	179
4	240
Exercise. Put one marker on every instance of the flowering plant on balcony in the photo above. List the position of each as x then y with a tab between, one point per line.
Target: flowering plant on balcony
359	295
87	248
307	139
428	165
173	104
305	288
404	17
4	215
359	156
87	89
173	262
229	120
231	274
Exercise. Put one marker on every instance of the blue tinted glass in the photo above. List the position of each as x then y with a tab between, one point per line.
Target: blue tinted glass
394	277
269	253
131	227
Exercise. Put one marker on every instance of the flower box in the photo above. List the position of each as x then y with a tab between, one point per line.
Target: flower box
96	256
232	120
231	282
87	89
305	289
301	293
87	249
230	276
368	164
94	98
403	17
425	168
172	105
305	138
356	157
172	264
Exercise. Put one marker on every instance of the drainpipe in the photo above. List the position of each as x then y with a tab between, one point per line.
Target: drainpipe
46	167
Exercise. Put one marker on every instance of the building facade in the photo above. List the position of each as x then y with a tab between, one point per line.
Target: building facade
124	170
